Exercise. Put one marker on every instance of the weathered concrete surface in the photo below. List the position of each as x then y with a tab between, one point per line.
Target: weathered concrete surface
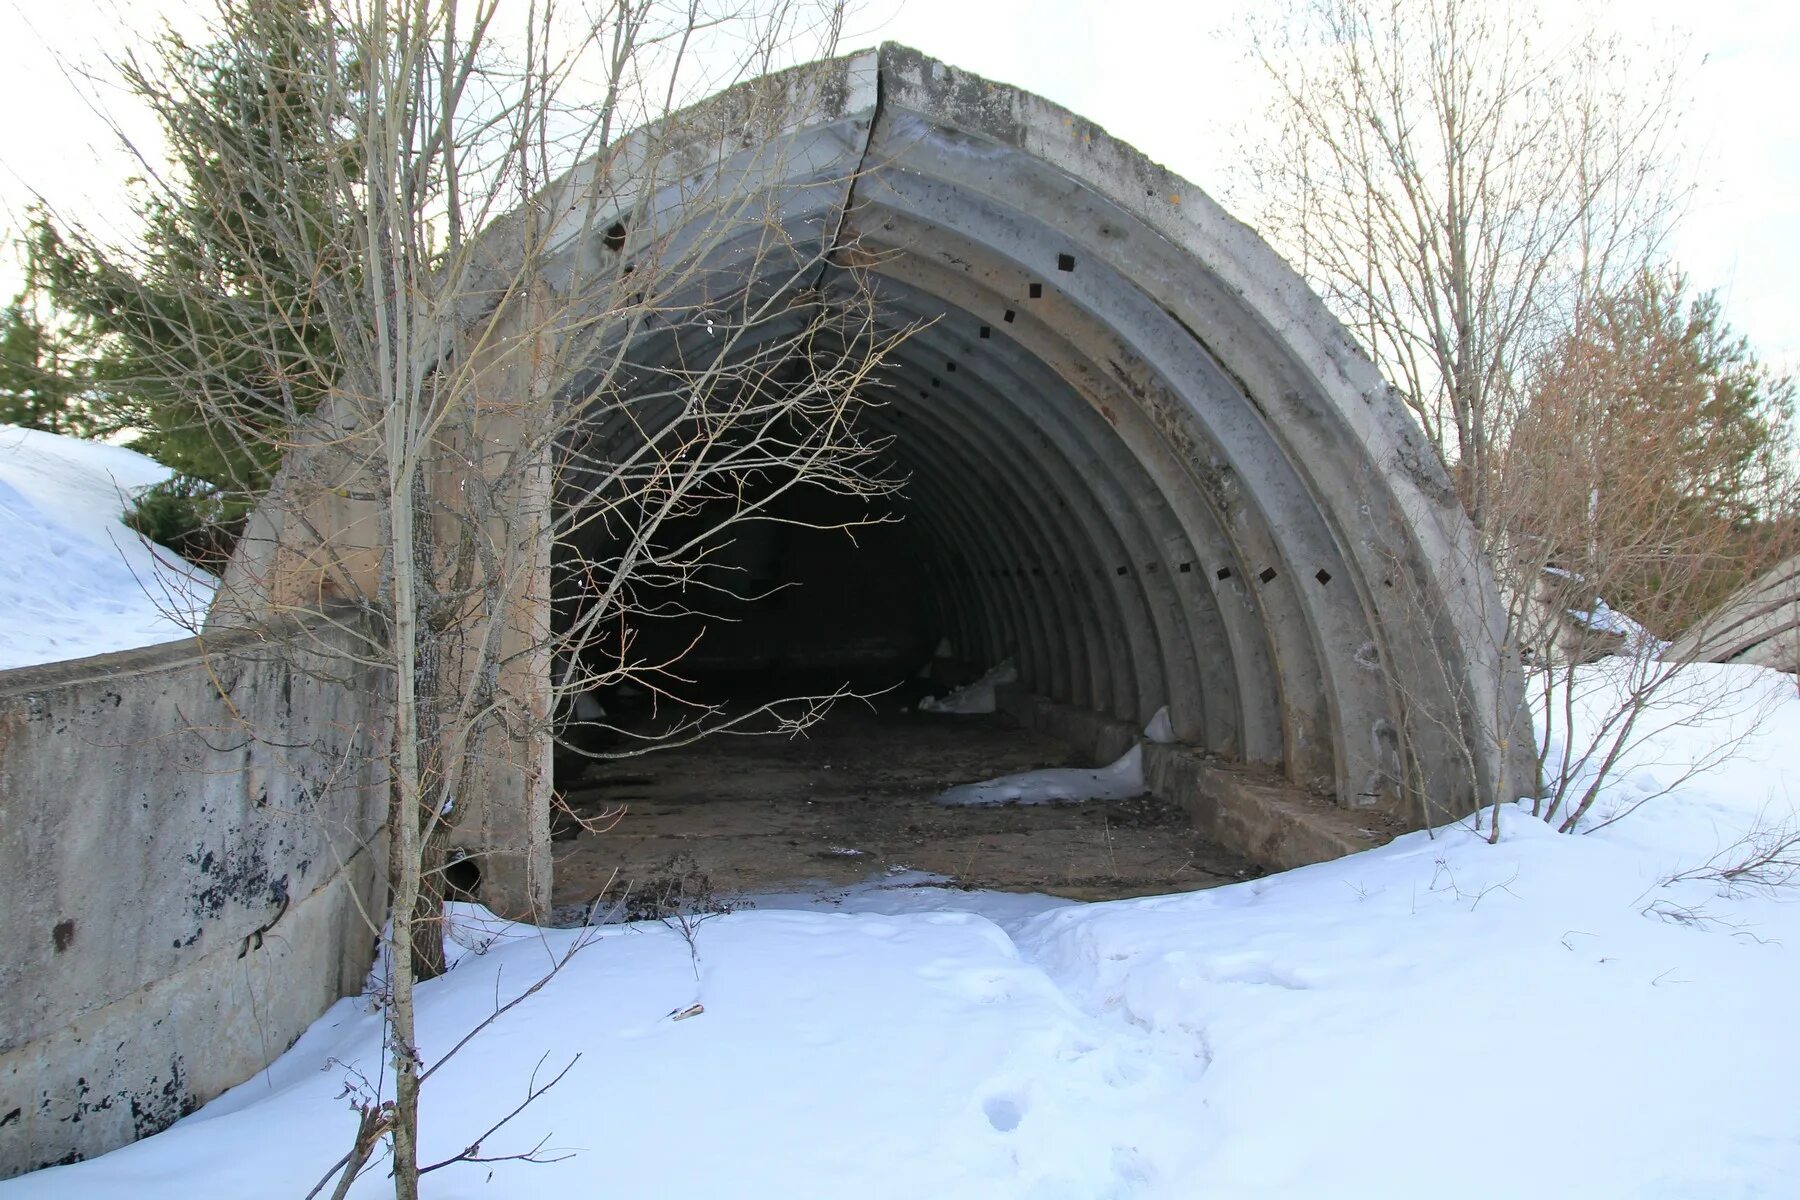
507	786
1095	740
1758	625
317	541
181	898
1145	461
1257	815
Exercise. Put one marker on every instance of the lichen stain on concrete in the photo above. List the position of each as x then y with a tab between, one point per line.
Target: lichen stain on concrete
154	1109
241	876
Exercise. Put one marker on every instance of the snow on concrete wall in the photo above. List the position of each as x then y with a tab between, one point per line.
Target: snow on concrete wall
189	837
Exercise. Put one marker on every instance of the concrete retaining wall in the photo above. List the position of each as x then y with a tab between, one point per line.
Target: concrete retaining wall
189	837
1758	625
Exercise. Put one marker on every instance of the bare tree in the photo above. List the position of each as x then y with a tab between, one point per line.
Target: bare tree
1480	195
1459	178
537	430
1647	474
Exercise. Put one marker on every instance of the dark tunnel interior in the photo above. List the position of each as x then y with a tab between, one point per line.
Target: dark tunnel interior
827	590
1133	454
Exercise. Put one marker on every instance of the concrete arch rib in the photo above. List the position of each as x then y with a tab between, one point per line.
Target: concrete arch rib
1098	631
985	513
1101	634
1157	391
997	536
1114	511
1105	633
1221	615
1142	366
1000	545
1375	484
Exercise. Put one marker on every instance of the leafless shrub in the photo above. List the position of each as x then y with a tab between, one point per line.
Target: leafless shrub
1482	201
1767	856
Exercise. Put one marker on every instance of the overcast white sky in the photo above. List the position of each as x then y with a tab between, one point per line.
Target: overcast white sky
1167	76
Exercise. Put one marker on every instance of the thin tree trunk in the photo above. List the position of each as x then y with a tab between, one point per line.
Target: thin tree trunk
405	849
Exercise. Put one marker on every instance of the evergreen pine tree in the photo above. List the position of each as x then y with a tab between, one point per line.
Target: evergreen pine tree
181	327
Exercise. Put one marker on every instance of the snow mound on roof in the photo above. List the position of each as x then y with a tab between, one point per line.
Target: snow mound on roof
74	579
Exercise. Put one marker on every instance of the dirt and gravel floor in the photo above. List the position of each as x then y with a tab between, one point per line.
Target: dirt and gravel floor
853	798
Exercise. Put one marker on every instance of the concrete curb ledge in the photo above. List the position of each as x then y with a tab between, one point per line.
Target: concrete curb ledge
1251	812
1097	739
271	642
1259	815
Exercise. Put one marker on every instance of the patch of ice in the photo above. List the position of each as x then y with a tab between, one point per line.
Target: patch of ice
974	698
1120	780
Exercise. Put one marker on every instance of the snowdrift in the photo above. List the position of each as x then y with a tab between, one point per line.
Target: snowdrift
1551	1015
74	579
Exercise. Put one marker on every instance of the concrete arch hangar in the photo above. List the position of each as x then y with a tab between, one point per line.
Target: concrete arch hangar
1144	461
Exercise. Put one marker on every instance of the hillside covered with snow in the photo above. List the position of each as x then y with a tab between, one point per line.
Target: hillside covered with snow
1551	1015
74	579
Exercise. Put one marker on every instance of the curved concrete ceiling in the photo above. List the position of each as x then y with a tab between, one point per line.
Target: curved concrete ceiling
1154	469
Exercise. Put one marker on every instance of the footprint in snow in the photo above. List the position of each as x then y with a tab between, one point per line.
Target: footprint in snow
1256	969
1003	1112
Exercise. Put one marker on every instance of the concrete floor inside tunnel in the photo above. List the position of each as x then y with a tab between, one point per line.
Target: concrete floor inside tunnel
802	609
853	799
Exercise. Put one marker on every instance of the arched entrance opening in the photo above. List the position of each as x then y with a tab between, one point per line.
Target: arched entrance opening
1140	461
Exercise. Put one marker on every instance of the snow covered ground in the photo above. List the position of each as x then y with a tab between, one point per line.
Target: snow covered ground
74	580
1438	1018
